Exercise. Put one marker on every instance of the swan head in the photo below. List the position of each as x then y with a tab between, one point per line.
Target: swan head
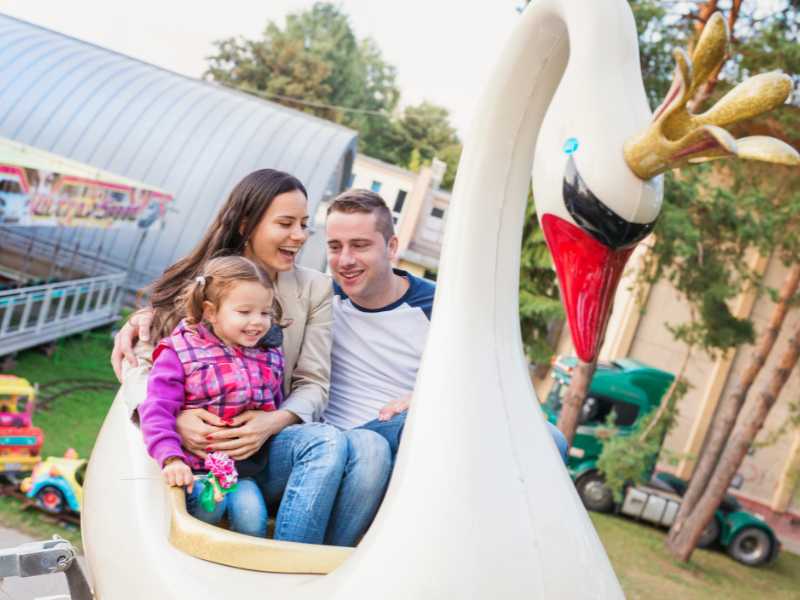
599	158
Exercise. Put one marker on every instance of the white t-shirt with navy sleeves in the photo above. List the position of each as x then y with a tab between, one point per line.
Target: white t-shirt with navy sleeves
376	353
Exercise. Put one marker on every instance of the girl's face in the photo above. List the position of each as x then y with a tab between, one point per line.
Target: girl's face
243	316
281	233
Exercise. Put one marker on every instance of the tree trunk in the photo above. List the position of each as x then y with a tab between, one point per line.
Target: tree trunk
730	407
743	436
574	398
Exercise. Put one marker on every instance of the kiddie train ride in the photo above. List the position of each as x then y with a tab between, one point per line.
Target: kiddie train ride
20	441
479	505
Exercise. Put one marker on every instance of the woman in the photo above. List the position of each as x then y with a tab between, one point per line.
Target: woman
323	479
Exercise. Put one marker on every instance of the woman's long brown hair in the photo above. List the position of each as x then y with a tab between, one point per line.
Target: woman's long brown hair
228	234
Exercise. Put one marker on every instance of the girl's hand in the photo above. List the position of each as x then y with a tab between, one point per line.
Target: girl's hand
394	408
137	327
195	426
178	474
249	431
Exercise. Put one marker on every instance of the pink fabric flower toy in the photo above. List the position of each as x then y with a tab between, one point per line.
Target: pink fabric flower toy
221	479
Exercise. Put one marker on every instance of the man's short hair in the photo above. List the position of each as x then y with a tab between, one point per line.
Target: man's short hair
365	201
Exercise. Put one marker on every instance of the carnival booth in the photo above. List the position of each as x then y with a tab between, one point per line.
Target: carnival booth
47	291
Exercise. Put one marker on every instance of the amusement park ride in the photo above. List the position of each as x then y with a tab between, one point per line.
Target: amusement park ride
480	505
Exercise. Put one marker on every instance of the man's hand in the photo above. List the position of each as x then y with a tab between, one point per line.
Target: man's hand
249	431
177	473
137	327
395	407
195	426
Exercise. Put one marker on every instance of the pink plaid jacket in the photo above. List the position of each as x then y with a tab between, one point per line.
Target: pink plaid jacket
223	380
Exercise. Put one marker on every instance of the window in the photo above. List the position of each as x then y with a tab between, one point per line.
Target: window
10	186
437	212
376	186
398	203
596	410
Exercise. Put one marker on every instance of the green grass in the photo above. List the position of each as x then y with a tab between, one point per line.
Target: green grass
646	571
37	525
637	551
71	421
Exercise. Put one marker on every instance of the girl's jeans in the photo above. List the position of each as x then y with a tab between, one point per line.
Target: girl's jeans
245	507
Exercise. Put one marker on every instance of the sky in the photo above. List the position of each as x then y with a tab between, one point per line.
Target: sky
443	49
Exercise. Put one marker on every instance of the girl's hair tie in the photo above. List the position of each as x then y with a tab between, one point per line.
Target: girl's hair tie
201	280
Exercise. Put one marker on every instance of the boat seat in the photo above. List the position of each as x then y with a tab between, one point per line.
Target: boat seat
215	544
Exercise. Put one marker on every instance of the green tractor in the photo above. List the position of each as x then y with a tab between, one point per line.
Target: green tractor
630	390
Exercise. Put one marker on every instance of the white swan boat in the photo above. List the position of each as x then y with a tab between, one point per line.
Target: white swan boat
480	505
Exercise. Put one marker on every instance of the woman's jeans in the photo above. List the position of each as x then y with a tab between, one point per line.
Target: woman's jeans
245	507
329	483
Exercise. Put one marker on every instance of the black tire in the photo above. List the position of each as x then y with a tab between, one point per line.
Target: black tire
51	500
594	493
752	546
710	534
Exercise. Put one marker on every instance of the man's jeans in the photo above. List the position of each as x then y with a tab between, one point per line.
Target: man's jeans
366	474
392	430
324	480
247	512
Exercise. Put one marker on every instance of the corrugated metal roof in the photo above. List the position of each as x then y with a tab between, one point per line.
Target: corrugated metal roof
192	138
16	153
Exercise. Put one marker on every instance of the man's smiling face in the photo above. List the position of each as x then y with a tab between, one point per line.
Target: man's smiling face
359	256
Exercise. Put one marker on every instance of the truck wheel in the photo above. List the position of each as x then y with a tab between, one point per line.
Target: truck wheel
751	546
709	535
594	493
50	499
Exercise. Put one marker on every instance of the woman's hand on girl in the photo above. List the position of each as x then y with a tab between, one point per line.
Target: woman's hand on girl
177	473
137	327
249	431
195	426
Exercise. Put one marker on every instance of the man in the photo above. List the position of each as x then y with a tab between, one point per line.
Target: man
381	317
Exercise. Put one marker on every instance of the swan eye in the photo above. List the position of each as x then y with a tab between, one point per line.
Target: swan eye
571	146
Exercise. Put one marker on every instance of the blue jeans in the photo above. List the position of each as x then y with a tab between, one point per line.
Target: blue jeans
321	477
392	431
247	512
560	440
366	473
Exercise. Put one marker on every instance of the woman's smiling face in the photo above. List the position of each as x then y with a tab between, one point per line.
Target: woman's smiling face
280	233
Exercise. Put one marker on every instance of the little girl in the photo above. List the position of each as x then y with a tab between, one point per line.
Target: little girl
212	361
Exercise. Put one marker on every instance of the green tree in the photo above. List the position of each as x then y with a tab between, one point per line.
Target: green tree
315	63
423	132
767	202
540	311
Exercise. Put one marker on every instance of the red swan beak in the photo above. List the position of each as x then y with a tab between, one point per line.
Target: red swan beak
588	273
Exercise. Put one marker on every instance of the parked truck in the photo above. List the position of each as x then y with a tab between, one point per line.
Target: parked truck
622	393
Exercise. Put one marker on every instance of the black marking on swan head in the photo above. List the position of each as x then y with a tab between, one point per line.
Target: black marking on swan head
590	213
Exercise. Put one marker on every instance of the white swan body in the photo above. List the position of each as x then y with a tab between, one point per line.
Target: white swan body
480	505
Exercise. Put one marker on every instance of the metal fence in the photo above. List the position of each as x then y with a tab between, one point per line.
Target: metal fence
32	316
29	244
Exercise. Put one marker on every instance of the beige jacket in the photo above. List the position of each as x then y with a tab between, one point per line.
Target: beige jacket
305	297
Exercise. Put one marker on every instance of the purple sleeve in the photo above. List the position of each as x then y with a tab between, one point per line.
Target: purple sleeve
159	411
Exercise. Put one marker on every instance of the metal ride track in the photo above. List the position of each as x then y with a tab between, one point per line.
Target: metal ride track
52	390
11	490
